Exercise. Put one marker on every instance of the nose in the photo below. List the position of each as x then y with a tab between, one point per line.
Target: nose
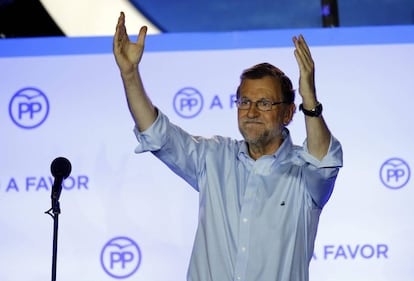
252	112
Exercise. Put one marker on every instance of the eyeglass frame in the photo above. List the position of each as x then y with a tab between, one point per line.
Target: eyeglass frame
257	102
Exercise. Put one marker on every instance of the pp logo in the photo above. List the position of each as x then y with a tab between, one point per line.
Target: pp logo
188	102
120	257
29	108
395	173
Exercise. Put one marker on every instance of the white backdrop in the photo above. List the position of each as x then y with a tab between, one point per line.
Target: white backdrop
126	216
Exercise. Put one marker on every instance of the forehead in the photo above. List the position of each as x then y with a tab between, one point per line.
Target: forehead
266	87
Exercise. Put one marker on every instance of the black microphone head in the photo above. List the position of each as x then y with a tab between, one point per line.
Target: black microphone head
61	167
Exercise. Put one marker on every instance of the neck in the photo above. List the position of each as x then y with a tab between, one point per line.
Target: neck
257	150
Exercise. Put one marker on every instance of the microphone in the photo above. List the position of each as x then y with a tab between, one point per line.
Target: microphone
60	169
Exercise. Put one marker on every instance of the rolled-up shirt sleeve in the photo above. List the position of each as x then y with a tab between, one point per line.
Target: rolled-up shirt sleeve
179	150
333	157
320	175
154	137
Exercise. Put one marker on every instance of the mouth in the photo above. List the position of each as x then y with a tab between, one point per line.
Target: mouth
252	122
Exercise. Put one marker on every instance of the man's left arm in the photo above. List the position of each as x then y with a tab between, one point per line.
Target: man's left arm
317	132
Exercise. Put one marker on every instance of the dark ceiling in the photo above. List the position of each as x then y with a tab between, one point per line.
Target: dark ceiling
28	18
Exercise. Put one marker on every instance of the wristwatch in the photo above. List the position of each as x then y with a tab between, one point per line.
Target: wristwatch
314	112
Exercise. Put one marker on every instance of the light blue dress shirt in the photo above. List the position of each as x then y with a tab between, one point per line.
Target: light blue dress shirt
257	219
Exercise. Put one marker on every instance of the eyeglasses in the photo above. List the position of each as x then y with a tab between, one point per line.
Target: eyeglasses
262	104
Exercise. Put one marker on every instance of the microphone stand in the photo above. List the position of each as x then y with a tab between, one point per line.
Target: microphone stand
54	212
60	169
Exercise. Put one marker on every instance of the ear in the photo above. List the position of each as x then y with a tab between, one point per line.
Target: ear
290	110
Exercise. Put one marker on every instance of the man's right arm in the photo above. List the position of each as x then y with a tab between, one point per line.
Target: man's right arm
128	56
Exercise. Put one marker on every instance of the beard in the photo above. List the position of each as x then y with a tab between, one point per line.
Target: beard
260	137
256	136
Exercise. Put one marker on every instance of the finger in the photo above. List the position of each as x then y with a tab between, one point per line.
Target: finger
298	46
141	35
115	42
299	54
299	59
302	51
304	44
120	24
120	30
301	45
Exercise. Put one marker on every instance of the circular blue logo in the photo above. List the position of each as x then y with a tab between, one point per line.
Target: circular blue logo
395	173
188	102
121	257
29	108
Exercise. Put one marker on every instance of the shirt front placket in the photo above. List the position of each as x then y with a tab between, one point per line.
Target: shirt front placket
255	170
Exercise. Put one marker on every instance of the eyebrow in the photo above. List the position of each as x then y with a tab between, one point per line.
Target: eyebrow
259	99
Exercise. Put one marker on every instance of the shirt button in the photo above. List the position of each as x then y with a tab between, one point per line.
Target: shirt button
243	249
245	219
238	278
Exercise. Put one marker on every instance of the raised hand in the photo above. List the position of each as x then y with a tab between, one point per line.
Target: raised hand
127	54
306	69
